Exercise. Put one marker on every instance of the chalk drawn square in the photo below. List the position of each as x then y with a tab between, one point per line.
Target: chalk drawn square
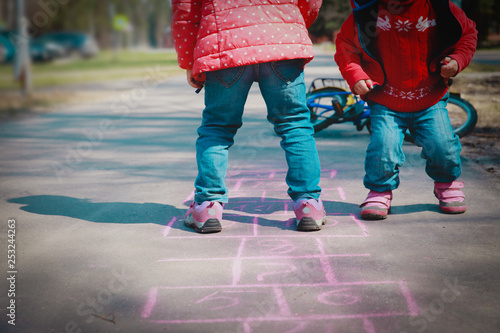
363	299
280	247
209	304
359	268
276	272
180	249
180	272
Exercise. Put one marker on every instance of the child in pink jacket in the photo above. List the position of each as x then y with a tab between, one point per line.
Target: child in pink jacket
225	46
398	55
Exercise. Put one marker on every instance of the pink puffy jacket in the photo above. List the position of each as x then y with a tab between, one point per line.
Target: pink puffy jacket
215	34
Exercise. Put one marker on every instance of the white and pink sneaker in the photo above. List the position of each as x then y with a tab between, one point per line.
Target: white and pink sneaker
204	218
310	214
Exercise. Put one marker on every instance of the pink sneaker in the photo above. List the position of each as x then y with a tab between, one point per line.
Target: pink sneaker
204	218
310	214
450	196
376	205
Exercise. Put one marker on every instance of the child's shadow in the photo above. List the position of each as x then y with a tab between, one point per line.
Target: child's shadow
415	208
257	205
99	212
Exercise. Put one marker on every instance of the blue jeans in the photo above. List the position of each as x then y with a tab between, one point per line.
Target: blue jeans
431	130
283	88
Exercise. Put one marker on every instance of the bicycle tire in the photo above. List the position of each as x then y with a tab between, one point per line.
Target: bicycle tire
463	124
323	117
463	116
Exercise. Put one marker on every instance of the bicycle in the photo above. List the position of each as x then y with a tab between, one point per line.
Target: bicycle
331	102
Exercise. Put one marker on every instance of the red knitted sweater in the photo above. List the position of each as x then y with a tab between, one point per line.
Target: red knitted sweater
406	40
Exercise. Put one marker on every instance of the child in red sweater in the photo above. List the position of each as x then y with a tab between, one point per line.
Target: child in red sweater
398	56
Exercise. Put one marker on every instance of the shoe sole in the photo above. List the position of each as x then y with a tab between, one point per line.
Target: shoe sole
374	214
309	224
209	227
453	210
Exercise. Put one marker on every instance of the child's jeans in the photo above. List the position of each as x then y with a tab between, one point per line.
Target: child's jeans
431	130
283	89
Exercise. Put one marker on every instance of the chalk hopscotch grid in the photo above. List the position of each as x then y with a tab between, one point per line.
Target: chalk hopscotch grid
330	291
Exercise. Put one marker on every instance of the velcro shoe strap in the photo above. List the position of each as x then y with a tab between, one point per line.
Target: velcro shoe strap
451	193
377	200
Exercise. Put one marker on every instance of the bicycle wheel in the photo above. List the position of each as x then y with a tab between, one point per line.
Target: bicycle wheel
463	116
321	104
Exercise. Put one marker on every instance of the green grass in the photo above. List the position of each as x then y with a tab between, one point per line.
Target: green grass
106	66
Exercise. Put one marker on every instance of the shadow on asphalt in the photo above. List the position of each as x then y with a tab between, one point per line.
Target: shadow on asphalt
239	210
101	212
416	208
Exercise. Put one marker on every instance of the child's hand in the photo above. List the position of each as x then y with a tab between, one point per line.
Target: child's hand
449	67
192	82
362	87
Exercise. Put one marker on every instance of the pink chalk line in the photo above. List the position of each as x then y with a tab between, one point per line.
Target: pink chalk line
360	224
276	318
291	268
243	172
263	179
299	328
307	256
341	193
255	226
258	184
412	305
282	303
275	189
283	285
231	174
369	328
190	197
246	327
237	262
333	173
218	236
238	185
167	229
150	304
325	264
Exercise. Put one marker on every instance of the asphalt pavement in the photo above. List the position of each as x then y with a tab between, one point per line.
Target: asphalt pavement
92	202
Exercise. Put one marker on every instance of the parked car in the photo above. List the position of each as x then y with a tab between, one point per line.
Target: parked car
39	50
7	49
45	51
73	43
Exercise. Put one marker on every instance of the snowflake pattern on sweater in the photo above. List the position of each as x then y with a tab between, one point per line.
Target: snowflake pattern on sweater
421	25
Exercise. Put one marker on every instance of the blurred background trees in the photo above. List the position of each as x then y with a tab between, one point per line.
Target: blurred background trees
149	20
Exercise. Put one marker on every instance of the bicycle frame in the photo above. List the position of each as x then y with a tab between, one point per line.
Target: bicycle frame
359	120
